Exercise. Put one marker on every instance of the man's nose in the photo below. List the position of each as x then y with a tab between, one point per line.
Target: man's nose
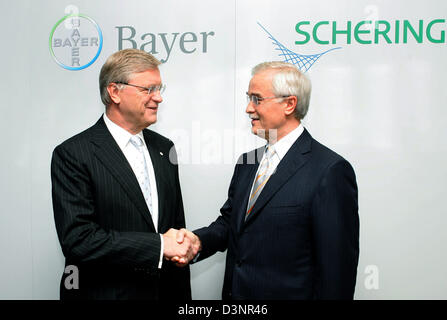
157	96
250	108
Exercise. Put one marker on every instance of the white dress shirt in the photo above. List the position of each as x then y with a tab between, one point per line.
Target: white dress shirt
122	138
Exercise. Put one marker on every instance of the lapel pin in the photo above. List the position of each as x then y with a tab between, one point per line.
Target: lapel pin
161	153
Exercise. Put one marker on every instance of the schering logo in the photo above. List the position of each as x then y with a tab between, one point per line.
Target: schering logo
301	61
371	32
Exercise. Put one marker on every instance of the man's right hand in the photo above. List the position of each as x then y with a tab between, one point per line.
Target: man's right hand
185	240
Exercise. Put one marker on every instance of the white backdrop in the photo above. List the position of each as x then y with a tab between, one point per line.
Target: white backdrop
380	105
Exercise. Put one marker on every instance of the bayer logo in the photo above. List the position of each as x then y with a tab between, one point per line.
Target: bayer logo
75	41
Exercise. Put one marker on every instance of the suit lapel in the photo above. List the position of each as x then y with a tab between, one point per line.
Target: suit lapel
111	156
292	161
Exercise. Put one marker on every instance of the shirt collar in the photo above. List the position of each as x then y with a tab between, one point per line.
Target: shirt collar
121	136
283	145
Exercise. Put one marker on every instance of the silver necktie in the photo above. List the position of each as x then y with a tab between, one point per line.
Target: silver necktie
264	173
141	170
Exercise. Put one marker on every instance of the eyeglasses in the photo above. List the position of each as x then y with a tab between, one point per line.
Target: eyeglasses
257	100
152	89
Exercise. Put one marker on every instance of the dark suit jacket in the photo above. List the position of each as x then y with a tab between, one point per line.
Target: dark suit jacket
301	238
103	223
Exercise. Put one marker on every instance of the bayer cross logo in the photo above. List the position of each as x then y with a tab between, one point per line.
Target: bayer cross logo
75	41
302	61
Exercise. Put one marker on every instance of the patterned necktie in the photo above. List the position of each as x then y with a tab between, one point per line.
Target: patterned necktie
141	170
264	173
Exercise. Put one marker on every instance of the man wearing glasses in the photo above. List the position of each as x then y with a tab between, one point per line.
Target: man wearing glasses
290	223
116	193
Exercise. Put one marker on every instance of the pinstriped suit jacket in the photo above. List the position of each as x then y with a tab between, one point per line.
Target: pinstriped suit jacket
103	223
301	240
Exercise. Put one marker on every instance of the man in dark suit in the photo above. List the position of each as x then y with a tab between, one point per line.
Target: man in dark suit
290	223
116	193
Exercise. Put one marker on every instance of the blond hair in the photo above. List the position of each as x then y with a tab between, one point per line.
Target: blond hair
121	65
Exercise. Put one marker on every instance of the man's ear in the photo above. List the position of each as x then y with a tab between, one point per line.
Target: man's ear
291	105
113	91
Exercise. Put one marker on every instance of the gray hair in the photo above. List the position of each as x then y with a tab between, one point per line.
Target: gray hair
289	81
121	65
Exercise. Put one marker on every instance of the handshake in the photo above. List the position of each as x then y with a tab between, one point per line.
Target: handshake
180	246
